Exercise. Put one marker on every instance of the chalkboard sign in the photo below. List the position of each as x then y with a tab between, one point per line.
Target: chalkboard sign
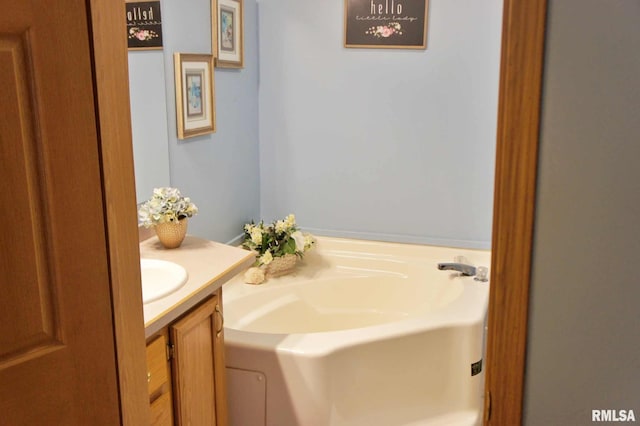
400	24
144	25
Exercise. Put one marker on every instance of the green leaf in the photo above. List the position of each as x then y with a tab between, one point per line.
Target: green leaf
289	247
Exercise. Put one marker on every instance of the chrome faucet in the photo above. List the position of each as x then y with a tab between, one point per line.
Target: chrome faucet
464	269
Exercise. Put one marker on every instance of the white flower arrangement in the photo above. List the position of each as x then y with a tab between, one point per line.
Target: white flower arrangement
278	239
165	205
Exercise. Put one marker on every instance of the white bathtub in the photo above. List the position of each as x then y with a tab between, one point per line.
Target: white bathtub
363	333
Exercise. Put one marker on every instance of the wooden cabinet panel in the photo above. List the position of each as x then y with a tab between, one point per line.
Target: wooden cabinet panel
161	411
159	382
157	369
198	382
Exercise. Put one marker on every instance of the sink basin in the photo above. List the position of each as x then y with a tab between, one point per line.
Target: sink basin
160	278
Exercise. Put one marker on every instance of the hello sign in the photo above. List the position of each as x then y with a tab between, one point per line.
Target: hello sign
400	24
144	24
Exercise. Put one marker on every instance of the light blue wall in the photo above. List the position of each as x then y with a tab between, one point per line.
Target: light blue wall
148	121
218	171
383	144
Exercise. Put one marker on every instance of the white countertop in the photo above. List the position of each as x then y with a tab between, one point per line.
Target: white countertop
209	265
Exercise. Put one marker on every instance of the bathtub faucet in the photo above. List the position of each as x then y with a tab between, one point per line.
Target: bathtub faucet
464	269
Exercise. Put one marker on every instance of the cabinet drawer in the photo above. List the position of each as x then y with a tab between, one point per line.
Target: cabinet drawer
161	411
157	374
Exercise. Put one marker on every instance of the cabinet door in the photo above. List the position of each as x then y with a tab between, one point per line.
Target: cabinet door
199	383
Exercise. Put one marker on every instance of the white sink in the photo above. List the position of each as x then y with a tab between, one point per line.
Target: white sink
160	278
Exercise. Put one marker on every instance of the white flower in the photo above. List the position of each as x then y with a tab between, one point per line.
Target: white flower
256	235
266	258
281	226
165	205
300	241
309	241
275	240
290	221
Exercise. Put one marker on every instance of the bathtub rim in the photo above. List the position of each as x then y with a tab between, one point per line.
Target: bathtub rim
469	309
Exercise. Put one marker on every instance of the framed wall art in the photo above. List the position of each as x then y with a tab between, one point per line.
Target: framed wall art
144	25
386	24
195	106
230	34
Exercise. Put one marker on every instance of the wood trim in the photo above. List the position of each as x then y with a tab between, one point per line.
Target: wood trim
220	370
116	150
514	203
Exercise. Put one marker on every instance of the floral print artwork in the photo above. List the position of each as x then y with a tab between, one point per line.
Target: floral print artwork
194	94
385	31
142	35
226	30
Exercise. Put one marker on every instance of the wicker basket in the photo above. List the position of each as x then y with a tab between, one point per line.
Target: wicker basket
281	265
171	234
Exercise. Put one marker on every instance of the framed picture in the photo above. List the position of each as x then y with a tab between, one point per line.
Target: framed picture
230	34
195	106
144	25
386	24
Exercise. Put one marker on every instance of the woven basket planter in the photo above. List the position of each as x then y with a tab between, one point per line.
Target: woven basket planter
281	265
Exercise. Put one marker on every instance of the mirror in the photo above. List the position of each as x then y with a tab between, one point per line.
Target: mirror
149	105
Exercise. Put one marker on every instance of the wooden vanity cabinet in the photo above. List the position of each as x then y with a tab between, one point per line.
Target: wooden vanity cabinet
195	351
159	381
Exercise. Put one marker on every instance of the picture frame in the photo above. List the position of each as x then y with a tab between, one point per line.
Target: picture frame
229	34
195	89
386	24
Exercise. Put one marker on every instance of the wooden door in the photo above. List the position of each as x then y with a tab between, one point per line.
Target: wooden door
57	360
198	366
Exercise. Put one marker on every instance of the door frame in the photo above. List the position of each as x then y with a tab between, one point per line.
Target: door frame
513	218
111	90
523	36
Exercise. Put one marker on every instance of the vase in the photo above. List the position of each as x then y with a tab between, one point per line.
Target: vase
171	234
281	265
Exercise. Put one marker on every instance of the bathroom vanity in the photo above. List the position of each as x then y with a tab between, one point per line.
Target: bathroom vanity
185	333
